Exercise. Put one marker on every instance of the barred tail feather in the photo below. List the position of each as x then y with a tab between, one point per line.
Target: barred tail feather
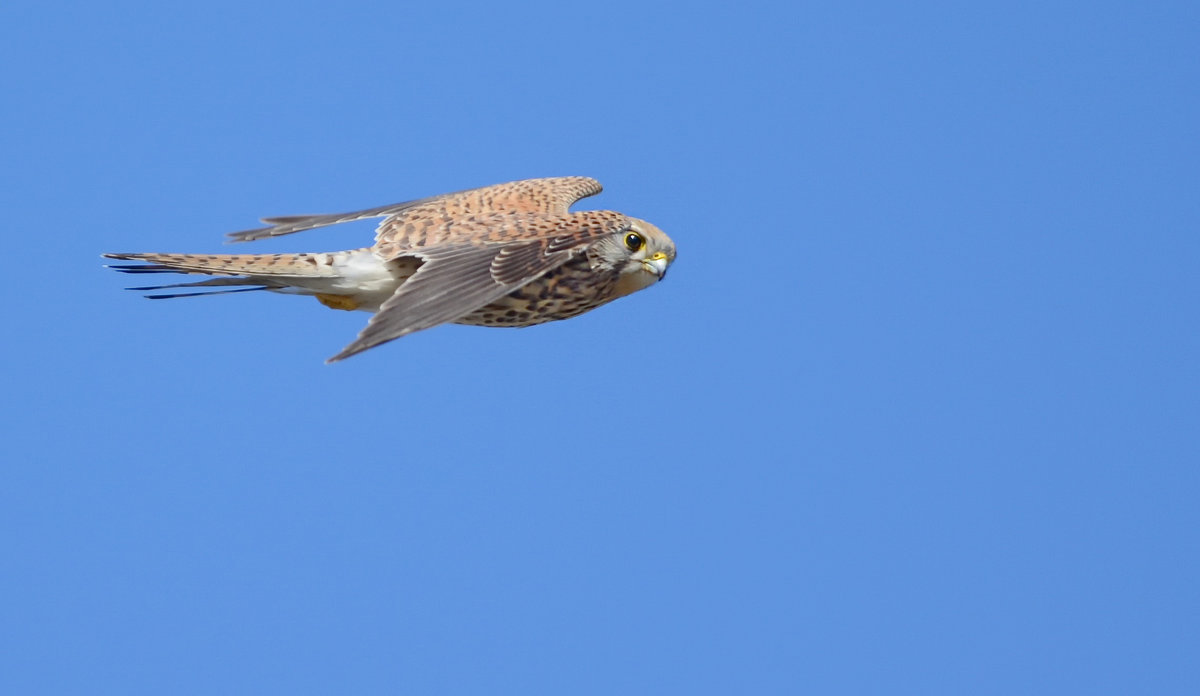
350	279
239	272
288	265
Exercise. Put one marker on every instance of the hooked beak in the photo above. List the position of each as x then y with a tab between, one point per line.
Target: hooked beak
656	264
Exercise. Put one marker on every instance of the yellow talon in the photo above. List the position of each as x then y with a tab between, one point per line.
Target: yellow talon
338	301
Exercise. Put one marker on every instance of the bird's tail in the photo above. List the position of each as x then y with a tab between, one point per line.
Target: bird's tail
242	272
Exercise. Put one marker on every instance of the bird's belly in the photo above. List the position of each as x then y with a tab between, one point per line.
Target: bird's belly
560	294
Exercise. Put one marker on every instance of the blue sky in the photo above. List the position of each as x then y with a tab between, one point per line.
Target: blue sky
915	411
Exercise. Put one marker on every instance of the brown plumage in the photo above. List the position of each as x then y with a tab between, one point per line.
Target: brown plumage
504	255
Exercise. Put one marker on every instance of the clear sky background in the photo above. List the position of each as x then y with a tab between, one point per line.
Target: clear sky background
916	411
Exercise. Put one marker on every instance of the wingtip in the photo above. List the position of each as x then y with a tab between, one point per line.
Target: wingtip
250	235
347	352
340	356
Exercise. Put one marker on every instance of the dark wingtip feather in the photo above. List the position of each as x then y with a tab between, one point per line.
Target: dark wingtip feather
239	237
143	268
171	296
348	351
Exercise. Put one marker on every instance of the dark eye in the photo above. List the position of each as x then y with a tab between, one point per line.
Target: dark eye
634	241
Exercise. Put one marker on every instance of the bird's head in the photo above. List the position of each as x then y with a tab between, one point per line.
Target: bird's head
641	254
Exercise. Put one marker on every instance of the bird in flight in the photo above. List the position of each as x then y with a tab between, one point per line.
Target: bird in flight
505	255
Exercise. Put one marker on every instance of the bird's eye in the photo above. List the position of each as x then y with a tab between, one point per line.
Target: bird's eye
634	241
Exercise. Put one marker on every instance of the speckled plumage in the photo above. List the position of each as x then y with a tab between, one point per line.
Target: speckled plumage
504	255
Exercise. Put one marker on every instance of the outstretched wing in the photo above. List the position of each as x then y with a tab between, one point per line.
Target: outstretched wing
550	195
484	264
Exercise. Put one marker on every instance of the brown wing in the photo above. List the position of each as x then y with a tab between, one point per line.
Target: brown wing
550	195
458	277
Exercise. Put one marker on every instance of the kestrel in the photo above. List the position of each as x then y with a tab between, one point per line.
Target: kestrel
503	255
